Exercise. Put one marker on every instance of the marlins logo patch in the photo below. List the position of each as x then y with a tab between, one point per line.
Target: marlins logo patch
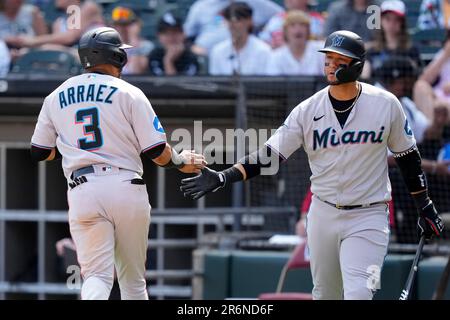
337	41
157	125
407	128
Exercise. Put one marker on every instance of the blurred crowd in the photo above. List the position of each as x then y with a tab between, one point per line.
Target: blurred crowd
261	37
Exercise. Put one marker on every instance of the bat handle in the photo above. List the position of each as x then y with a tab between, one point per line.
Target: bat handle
409	282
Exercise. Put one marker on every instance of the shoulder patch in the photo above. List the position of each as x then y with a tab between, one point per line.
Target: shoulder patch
157	125
407	128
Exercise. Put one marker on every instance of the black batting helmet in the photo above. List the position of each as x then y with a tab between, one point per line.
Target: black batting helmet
102	46
351	45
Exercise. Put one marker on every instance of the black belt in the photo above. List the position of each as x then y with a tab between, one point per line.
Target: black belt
353	206
79	172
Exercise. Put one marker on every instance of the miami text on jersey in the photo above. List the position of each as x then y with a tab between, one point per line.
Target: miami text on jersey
321	140
86	93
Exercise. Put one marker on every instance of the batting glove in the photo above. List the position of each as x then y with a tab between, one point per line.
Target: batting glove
207	181
430	223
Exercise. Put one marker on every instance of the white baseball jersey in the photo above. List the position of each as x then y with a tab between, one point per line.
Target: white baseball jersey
98	119
348	165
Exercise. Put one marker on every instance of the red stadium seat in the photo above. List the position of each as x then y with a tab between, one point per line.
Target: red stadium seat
297	260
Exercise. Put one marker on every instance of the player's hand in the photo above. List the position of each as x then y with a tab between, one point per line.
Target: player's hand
430	223
207	181
193	162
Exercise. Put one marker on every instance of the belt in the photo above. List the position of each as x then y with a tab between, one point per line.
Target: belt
79	172
337	206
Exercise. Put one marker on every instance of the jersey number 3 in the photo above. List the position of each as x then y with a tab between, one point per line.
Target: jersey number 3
91	129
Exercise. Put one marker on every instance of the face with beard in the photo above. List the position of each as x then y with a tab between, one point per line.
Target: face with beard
332	62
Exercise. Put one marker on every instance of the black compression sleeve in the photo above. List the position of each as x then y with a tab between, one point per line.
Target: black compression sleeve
155	152
409	163
58	155
232	174
39	154
262	160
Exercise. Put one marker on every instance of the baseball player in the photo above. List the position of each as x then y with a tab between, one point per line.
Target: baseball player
346	130
99	125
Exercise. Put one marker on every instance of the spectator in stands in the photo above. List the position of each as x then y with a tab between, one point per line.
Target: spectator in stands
397	75
17	18
434	14
125	21
434	83
61	23
299	55
91	17
438	133
273	30
243	53
392	39
5	60
349	15
174	56
206	25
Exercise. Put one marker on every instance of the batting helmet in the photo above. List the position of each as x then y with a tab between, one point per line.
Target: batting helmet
102	46
348	44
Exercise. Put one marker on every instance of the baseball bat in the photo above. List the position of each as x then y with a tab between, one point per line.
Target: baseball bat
412	273
442	285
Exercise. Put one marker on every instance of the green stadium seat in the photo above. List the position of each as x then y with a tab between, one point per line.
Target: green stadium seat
428	276
50	62
247	274
393	276
216	275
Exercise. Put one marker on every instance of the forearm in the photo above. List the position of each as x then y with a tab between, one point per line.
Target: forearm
169	158
253	165
432	71
410	165
169	67
63	38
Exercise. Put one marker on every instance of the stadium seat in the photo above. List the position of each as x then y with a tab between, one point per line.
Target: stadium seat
299	259
50	62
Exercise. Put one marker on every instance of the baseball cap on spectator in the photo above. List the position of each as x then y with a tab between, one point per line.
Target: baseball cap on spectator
395	6
123	15
169	22
396	67
238	10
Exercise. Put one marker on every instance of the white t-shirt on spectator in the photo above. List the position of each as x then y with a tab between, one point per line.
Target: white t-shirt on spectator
416	118
250	60
282	62
205	22
5	60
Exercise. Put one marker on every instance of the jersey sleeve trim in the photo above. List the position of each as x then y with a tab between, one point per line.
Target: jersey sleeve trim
276	151
41	147
153	146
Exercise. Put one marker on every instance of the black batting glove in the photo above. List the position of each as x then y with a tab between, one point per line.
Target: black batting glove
207	181
430	223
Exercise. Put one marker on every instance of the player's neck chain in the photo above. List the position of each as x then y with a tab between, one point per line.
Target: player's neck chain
353	104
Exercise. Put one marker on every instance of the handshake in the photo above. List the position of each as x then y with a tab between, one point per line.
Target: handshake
208	180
